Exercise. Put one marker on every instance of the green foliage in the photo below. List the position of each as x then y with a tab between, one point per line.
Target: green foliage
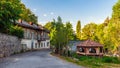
107	33
69	32
116	12
93	61
78	30
16	31
48	26
104	59
60	34
10	11
28	15
89	30
112	31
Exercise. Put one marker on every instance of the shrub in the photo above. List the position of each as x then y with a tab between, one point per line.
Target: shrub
16	31
82	58
75	55
110	59
107	60
4	27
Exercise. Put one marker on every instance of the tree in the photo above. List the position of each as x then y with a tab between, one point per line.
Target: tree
107	20
89	30
60	34
78	30
100	33
113	28
56	35
69	31
116	12
9	12
28	15
49	25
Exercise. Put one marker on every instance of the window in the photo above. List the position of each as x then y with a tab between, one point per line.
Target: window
35	45
38	36
101	50
41	44
24	46
47	44
81	50
25	33
92	50
30	35
44	44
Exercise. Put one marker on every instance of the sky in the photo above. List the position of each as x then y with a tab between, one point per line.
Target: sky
71	10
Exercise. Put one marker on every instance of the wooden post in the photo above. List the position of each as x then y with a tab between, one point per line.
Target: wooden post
87	50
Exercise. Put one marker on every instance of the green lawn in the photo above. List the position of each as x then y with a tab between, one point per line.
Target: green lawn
94	62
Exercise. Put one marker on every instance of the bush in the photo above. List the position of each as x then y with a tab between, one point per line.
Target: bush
75	55
107	60
4	27
16	31
82	58
110	59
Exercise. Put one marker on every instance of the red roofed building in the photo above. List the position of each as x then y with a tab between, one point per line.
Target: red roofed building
35	36
90	48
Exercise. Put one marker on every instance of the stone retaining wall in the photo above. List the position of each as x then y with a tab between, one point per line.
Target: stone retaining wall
9	45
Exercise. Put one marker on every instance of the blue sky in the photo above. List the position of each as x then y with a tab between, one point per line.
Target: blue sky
71	10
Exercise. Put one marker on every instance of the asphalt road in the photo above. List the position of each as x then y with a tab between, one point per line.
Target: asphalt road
36	59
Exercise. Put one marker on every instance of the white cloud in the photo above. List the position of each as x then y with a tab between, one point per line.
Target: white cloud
42	22
44	15
34	9
52	13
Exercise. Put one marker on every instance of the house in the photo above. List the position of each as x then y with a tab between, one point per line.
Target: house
90	48
35	36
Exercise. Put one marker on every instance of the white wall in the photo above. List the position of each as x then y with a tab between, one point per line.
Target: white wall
28	43
44	44
36	44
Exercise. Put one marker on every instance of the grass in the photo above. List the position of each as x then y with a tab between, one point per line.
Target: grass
93	62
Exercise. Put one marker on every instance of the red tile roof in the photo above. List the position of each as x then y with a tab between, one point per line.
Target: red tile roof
89	43
31	26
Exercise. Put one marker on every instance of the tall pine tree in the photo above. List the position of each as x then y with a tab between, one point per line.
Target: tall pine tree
78	30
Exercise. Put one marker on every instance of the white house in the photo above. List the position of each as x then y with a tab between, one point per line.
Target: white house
35	36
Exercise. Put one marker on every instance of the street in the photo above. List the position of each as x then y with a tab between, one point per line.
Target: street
36	59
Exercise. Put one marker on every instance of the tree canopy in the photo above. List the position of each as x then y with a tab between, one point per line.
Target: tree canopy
60	34
107	33
78	30
10	12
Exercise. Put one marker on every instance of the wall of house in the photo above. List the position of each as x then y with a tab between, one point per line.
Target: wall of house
28	42
36	45
9	45
45	44
37	36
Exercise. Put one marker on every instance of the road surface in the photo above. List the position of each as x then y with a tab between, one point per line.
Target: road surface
36	59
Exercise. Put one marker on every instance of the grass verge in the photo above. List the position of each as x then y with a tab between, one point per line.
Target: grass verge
93	62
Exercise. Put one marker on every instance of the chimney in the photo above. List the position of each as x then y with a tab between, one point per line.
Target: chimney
20	20
30	23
